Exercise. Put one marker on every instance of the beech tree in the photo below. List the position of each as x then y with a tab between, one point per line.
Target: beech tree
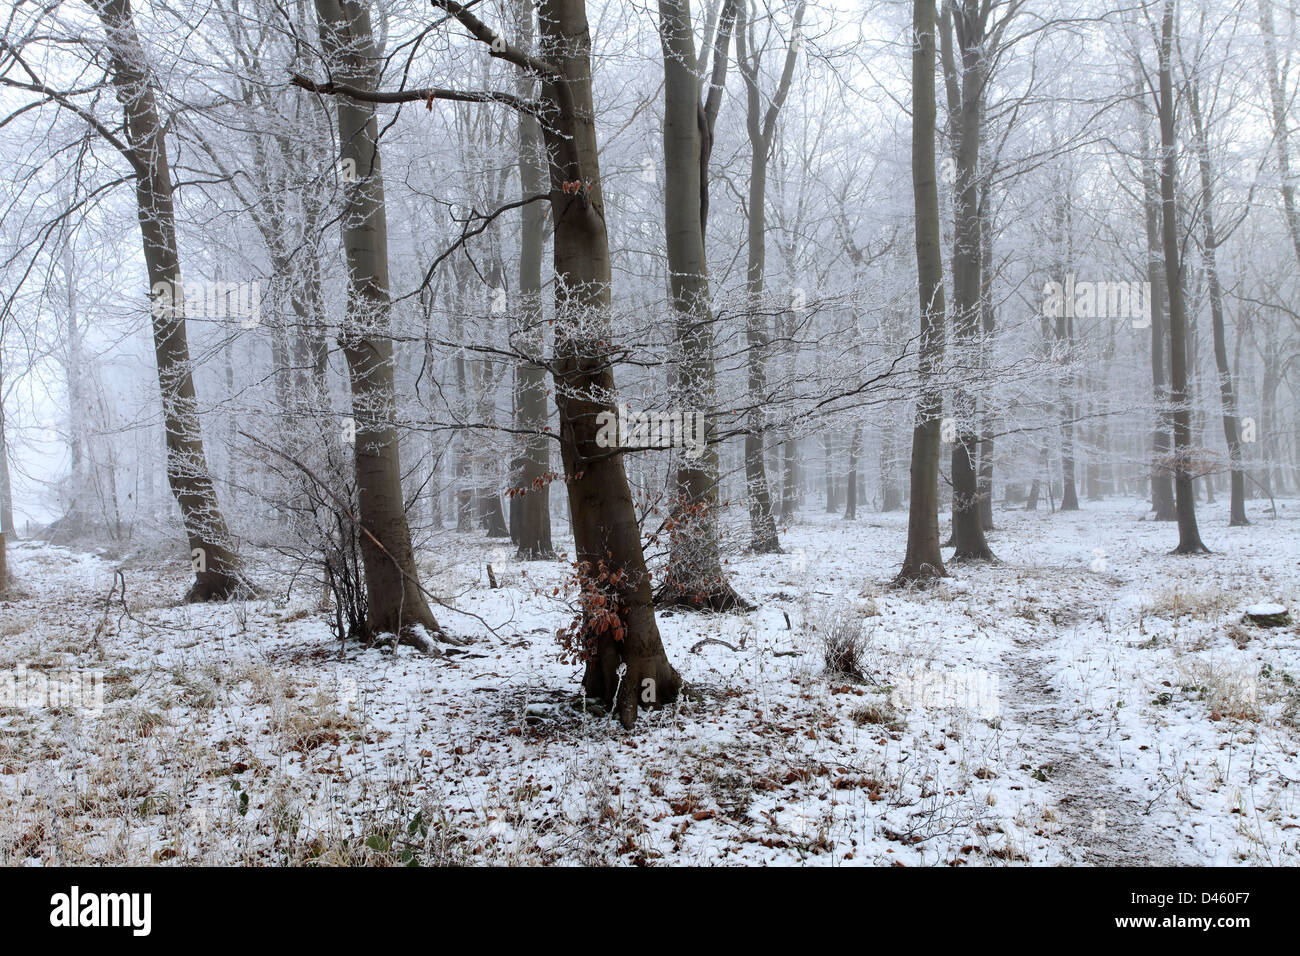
396	600
141	140
1211	239
531	503
1189	537
694	576
760	126
923	560
625	661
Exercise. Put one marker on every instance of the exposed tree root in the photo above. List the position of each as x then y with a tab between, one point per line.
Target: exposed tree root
921	575
720	597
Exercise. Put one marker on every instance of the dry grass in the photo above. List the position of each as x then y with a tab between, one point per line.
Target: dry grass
1177	602
843	641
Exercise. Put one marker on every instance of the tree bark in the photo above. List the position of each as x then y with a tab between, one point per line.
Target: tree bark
965	71
1189	537
532	499
760	129
600	504
6	510
851	478
694	577
988	418
923	559
1162	486
217	573
1277	100
1209	251
396	601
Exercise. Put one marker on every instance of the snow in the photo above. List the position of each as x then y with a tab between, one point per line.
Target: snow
1265	610
1089	699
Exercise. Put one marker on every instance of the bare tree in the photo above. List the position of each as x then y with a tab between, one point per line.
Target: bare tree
1281	129
1162	488
694	576
397	603
1210	242
217	573
530	503
923	559
1189	537
626	664
966	74
760	125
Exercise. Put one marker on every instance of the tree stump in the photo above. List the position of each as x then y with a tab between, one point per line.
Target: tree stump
1267	615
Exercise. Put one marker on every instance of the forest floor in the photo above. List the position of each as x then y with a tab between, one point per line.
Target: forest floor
1090	699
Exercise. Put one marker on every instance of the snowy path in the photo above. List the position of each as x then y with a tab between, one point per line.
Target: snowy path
1102	820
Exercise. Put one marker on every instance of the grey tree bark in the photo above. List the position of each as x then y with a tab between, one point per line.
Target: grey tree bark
1162	486
923	560
1277	102
217	573
1209	252
1189	537
397	603
761	129
531	501
631	669
694	577
965	68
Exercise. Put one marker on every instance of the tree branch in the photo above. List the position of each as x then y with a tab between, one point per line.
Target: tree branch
426	94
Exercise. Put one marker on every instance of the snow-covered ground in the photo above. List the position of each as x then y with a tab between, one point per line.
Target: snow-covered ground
1089	699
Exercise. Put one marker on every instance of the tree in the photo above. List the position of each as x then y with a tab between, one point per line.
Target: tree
1162	488
1189	537
6	510
216	568
625	661
1281	131
1210	242
966	71
694	576
530	504
760	126
396	601
923	560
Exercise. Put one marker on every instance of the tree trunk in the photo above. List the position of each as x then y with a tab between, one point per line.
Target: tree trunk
988	418
851	479
965	84
891	495
790	502
1189	537
533	497
1065	337
923	559
762	522
1227	397
1277	99
1162	486
828	473
694	577
217	573
604	520
396	601
464	464
6	509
